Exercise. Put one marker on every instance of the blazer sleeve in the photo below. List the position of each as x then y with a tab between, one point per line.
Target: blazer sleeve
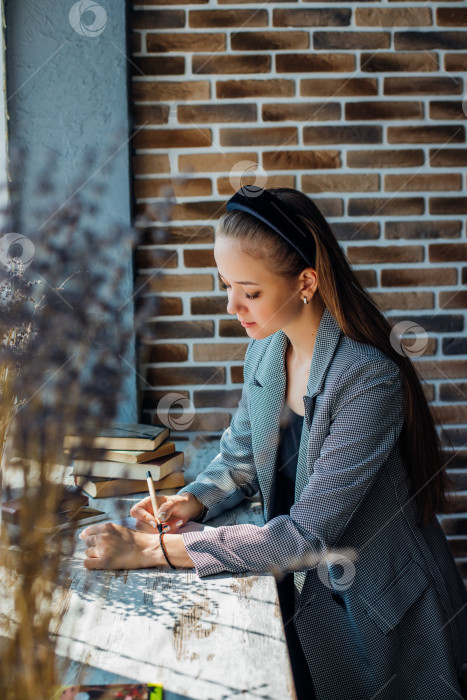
366	422
231	476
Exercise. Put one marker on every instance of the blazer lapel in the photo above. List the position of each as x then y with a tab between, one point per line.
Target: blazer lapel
266	398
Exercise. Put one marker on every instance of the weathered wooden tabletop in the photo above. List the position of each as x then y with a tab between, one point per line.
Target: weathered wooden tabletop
216	637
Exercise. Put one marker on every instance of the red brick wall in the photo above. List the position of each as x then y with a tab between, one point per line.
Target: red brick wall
357	104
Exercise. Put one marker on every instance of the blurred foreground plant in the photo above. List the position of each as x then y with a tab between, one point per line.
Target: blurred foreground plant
67	329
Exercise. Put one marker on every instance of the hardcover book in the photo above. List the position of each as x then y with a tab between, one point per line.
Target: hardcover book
159	468
122	436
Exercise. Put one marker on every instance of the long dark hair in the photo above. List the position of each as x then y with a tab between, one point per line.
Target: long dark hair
359	318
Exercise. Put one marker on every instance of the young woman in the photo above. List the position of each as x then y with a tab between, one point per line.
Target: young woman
334	430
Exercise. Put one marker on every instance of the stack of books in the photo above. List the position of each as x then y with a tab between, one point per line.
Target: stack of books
115	462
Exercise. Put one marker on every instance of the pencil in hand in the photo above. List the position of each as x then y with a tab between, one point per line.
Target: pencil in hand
155	507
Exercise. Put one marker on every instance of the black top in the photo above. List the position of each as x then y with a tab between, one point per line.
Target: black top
287	457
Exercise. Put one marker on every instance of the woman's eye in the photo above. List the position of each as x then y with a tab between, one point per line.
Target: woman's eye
248	296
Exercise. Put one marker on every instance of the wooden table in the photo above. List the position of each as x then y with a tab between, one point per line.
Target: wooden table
217	637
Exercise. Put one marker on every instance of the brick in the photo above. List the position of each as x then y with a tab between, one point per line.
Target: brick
228	18
390	301
222	398
276	136
169	352
453	437
213	63
228	187
311	111
157	65
426	134
193	187
150	258
444	109
351	40
149	114
419	41
464	275
398	206
231	329
384	254
197	210
162	305
180	235
219	352
447	323
355	230
338	87
455	62
454	392
340	182
157	19
414	182
199	258
170	376
455	346
449	415
404	62
236	375
274	87
136	44
330	206
413	278
269	41
442	369
367	278
216	113
336	17
448	205
301	160
447	252
212	306
175	283
315	63
453	299
422	86
422	229
186	43
165	330
210	422
150	399
451	16
213	162
385	158
175	2
429	348
342	134
172	138
448	157
383	110
151	164
150	91
393	17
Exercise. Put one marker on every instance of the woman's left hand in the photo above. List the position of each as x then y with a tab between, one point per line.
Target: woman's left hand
112	546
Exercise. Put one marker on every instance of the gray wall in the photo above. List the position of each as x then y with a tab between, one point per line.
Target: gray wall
68	91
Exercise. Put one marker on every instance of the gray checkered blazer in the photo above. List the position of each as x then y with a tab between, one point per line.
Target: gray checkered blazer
391	623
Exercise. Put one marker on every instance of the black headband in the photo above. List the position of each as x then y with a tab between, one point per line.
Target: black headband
269	209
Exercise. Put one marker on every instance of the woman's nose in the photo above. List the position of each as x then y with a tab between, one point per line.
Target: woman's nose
233	303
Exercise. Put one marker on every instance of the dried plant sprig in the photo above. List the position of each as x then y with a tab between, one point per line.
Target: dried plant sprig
66	329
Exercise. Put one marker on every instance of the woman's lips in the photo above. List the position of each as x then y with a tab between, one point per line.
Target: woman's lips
246	325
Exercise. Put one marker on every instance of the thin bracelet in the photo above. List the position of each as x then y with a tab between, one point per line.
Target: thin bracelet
161	535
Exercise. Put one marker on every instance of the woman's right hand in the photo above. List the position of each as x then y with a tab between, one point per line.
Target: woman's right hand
174	511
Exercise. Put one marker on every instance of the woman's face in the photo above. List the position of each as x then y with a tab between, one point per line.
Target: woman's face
270	304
